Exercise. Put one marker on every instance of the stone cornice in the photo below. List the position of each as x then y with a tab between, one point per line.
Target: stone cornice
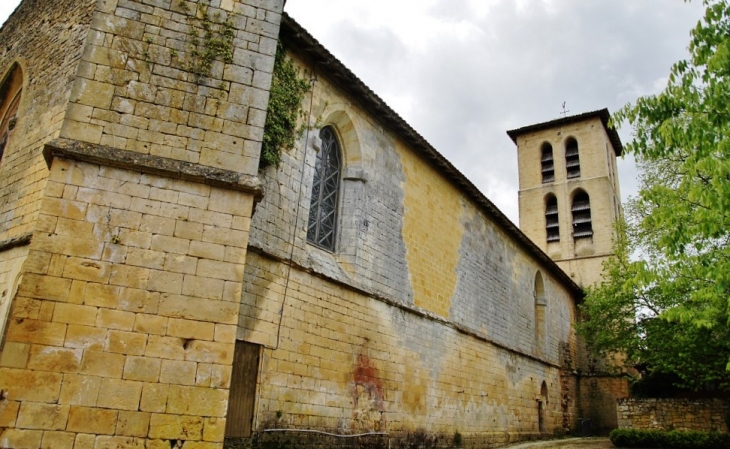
154	165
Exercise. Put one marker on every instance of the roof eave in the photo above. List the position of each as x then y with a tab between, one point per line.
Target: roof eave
601	114
298	39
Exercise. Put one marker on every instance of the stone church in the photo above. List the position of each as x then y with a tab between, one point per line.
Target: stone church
159	290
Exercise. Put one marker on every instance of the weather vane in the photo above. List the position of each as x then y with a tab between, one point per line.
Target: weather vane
565	111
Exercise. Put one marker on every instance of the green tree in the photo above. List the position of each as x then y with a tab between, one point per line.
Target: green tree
669	309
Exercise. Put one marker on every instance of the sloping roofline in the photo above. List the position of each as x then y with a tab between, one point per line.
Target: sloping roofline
602	114
297	39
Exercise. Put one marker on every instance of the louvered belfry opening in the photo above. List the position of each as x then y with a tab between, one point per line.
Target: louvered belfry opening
572	159
581	209
548	165
552	224
322	227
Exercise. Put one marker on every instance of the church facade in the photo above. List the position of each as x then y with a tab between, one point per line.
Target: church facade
161	291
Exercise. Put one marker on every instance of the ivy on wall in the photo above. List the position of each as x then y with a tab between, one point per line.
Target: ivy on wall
210	38
284	110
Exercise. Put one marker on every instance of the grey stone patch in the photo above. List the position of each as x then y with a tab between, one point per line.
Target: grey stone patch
370	251
484	297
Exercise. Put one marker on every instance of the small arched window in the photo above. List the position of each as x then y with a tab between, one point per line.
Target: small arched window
552	223
572	159
322	226
546	160
581	209
10	93
541	406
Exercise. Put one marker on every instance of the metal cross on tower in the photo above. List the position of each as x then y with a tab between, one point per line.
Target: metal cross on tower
565	111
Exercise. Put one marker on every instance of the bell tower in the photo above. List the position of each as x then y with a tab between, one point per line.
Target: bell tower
569	195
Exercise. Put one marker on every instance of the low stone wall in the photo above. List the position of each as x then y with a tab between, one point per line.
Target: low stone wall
679	414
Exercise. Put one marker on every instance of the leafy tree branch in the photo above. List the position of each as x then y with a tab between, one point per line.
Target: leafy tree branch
668	311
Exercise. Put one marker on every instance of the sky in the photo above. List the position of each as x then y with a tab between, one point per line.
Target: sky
463	72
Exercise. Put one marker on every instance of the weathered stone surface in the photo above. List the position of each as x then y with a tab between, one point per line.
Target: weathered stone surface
707	415
160	166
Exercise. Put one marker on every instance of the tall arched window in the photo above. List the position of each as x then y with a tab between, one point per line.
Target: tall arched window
548	165
540	304
552	223
322	227
581	208
10	93
572	159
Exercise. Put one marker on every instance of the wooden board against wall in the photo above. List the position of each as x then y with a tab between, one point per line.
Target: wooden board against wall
242	397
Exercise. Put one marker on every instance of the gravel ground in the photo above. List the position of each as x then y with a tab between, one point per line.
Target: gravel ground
568	443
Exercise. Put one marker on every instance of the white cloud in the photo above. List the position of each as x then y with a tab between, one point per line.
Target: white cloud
461	72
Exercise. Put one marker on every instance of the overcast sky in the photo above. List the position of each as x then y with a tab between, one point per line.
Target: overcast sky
462	72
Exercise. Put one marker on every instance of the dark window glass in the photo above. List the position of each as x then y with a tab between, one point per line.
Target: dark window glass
322	226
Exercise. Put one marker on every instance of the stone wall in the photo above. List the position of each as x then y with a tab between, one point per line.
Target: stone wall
124	323
406	234
45	40
709	415
424	316
598	395
581	258
122	329
347	362
141	85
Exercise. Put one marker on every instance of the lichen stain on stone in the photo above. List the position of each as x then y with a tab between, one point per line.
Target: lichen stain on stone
368	412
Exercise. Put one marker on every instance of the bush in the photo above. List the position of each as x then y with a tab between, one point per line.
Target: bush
672	439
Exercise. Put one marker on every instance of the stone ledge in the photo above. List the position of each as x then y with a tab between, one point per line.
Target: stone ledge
14	242
154	165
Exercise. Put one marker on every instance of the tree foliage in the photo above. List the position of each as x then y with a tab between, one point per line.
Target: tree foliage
669	308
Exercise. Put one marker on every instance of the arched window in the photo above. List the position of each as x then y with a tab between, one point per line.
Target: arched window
572	160
541	406
540	304
548	166
10	93
322	227
581	209
552	224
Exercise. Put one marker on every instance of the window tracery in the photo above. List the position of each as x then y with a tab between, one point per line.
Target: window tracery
322	224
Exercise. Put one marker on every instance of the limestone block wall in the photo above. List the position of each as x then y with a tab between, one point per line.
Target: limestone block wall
123	327
598	396
405	234
424	316
709	415
141	86
350	363
11	264
598	178
45	39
